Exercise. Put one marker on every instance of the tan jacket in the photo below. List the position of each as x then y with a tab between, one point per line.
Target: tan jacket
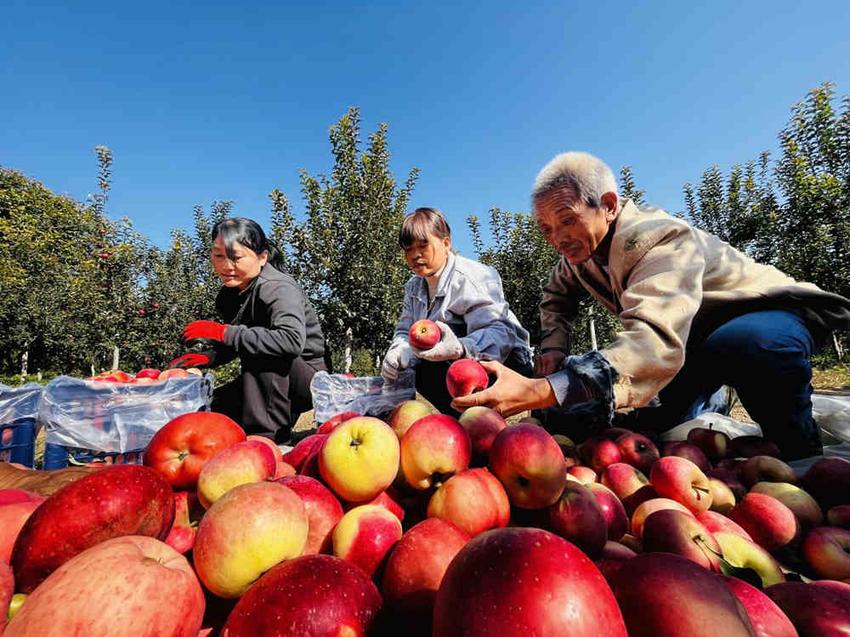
669	283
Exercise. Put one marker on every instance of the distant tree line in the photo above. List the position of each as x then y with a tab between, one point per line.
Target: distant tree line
80	292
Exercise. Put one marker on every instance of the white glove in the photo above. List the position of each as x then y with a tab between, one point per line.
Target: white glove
448	349
396	360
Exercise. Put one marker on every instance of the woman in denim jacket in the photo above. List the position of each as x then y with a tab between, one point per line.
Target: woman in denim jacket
463	297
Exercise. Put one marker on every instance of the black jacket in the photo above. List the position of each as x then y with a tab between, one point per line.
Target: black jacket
270	320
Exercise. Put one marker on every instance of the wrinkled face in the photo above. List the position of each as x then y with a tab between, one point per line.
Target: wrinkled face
242	269
426	258
574	228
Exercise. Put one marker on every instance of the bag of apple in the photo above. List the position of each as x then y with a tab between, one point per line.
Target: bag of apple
117	416
367	395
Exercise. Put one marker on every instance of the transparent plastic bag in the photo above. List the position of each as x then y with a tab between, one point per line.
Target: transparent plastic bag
19	403
117	417
367	395
832	414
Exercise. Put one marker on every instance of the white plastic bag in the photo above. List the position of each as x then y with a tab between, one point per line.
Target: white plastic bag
367	395
117	417
832	414
710	420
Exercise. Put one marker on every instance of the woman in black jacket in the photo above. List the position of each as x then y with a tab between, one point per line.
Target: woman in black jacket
268	323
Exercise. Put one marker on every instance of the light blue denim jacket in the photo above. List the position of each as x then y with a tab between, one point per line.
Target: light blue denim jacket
469	298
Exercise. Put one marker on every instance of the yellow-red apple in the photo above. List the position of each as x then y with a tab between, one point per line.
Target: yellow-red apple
473	500
742	553
243	463
407	413
322	508
681	480
365	535
434	449
530	465
483	425
827	550
770	523
802	505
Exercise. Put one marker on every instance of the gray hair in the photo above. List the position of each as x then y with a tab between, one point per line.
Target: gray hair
589	176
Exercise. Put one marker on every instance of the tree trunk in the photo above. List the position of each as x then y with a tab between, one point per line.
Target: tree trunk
25	362
592	331
116	356
347	358
839	351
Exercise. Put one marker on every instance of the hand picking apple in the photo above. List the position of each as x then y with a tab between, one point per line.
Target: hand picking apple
510	394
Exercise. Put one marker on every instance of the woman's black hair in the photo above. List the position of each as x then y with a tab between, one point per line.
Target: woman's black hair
248	233
420	224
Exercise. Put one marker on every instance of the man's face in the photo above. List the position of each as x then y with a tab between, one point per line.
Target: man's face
570	225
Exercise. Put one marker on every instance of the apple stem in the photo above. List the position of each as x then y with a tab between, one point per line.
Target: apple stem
354	443
701	491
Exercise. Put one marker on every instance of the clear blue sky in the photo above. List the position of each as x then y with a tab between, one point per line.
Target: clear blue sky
224	100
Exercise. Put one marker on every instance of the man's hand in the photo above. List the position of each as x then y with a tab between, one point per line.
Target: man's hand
548	363
192	359
510	394
209	330
448	349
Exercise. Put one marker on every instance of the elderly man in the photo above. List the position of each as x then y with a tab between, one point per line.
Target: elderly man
696	312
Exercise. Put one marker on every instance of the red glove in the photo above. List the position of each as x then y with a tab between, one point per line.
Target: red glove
191	360
204	329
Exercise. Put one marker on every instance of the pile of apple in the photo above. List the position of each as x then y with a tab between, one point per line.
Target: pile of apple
426	524
144	376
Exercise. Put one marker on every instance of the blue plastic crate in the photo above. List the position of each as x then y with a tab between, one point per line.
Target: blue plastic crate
60	456
17	441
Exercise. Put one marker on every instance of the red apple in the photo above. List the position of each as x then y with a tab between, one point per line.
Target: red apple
466	376
245	532
7	590
424	334
802	505
577	517
243	463
407	413
521	581
129	585
360	458
581	474
415	569
174	372
638	451
767	618
115	501
716	522
665	594
434	449
391	500
770	523
529	464
612	509
473	500
839	516
365	535
322	508
681	480
749	446
306	449
148	372
482	424
181	448
814	610
317	594
689	451
14	496
766	469
623	479
181	537
278	454
671	531
331	423
598	453
612	558
12	519
828	482
649	507
827	550
714	444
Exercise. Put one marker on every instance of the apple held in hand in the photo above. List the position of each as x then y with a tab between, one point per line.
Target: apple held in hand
365	535
529	464
466	376
111	502
244	533
316	594
424	334
473	500
434	449
518	582
181	448
360	458
243	463
681	480
130	585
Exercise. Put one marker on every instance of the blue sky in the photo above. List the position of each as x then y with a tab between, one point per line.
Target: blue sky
224	100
